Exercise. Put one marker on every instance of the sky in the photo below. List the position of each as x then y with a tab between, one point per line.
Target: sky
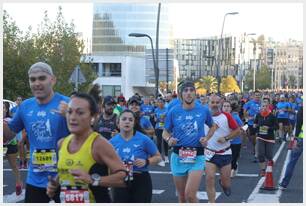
280	21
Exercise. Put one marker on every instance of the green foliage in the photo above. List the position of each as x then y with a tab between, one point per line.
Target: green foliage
55	43
208	83
229	84
262	78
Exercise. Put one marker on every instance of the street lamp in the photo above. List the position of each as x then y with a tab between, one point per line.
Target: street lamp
153	56
221	49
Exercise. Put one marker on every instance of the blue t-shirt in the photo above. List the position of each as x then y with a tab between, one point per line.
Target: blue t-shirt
252	107
294	108
145	123
281	106
237	140
147	110
160	115
188	125
44	128
139	146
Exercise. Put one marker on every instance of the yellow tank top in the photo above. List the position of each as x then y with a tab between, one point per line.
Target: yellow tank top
81	159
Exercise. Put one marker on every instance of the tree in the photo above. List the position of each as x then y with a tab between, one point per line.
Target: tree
206	84
262	78
292	82
229	84
55	43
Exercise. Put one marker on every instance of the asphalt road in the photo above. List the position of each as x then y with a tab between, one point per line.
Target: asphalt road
245	186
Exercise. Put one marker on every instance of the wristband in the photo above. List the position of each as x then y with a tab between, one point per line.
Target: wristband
226	138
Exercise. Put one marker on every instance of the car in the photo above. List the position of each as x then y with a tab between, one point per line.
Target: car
12	104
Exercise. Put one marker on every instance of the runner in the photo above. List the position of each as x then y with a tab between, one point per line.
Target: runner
160	117
106	125
265	124
282	110
233	108
251	108
134	104
12	151
218	152
137	151
84	158
44	127
186	124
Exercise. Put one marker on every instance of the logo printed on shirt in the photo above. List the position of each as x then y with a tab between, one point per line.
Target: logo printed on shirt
41	114
189	117
136	145
126	150
42	131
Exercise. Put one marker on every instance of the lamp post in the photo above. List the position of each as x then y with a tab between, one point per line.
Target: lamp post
153	56
254	71
221	49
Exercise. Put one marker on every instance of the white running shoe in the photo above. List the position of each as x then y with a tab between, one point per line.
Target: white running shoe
166	159
162	164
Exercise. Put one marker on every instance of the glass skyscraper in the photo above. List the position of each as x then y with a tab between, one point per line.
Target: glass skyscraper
112	23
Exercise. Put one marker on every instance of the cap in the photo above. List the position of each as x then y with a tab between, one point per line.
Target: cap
134	99
183	84
40	67
109	100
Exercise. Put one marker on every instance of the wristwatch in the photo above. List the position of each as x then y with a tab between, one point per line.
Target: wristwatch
96	179
226	138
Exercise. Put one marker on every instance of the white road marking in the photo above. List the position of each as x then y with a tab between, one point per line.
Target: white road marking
279	191
157	192
9	170
255	195
169	173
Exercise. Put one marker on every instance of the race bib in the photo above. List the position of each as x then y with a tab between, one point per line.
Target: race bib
74	196
129	168
263	130
187	155
44	160
208	154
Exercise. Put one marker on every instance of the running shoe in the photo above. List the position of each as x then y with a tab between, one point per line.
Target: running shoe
162	164
166	159
281	187
227	191
18	189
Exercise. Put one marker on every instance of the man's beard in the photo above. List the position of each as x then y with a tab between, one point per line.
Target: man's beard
190	102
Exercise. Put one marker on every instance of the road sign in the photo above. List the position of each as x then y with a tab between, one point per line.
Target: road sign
77	76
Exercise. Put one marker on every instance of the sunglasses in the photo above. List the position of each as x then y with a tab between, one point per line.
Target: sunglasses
39	78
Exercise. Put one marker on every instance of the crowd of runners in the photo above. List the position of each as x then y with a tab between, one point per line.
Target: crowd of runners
87	148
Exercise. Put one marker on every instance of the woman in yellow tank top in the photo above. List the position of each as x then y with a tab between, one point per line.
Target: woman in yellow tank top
81	151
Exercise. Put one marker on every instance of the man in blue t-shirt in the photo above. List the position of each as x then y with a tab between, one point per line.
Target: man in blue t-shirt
282	111
44	125
184	131
250	110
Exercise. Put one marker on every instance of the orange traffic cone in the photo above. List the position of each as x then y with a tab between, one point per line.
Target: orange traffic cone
269	184
291	143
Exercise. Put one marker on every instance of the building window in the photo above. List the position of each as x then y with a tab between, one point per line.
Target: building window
111	70
112	90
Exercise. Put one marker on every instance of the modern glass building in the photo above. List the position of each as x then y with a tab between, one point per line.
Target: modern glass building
112	23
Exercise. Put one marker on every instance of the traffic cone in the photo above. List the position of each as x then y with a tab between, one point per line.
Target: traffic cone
291	143
269	184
